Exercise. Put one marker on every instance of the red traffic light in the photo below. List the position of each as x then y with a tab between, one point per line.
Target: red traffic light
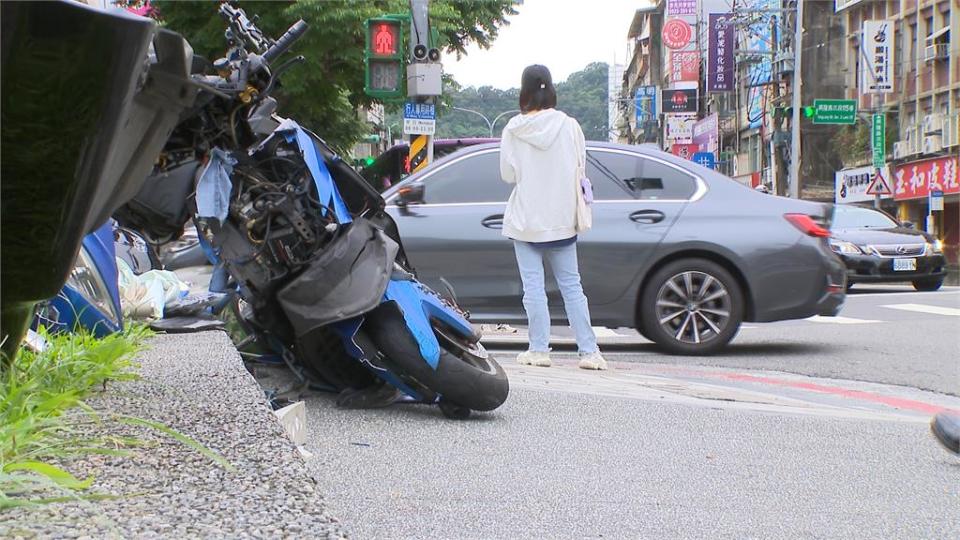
384	38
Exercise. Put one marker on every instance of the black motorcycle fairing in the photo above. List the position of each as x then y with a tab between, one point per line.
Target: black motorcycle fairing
84	114
347	279
162	206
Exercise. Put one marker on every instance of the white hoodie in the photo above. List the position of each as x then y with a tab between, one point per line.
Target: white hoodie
538	153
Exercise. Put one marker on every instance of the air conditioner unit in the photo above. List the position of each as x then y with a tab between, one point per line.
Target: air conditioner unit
937	51
932	144
914	146
932	123
900	150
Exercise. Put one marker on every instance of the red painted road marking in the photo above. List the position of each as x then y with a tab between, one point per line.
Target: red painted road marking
897	403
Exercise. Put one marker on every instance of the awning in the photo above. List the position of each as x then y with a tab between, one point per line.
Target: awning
932	37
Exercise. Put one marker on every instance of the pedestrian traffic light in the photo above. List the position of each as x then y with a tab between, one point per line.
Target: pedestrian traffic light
384	58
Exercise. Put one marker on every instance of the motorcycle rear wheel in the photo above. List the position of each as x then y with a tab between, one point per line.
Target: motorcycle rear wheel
466	376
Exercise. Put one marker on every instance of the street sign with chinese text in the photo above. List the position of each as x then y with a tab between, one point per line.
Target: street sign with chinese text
419	118
878	139
420	111
876	57
936	200
706	159
834	111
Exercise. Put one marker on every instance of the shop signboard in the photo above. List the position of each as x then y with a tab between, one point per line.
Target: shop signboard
680	128
852	184
915	180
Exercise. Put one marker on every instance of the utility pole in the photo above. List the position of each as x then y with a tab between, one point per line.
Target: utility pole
776	157
797	103
424	84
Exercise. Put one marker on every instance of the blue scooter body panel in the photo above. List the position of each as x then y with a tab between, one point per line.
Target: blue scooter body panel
74	310
418	305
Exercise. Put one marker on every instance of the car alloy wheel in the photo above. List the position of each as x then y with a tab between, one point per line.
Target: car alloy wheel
691	307
694	307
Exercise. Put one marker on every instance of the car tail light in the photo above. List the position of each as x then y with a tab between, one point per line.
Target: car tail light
807	225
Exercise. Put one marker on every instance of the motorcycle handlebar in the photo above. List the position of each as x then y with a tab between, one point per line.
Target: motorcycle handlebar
286	40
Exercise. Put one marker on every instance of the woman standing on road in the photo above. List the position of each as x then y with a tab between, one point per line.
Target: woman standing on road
542	151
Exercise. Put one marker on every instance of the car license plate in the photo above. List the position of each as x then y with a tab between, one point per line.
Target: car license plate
904	265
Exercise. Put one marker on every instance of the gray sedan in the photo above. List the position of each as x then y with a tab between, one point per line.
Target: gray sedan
677	251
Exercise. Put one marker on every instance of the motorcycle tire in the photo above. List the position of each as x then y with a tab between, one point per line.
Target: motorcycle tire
466	376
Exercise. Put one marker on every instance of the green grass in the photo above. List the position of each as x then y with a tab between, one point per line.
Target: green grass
42	411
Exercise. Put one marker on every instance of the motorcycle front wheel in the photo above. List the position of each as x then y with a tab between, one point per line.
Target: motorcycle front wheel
466	375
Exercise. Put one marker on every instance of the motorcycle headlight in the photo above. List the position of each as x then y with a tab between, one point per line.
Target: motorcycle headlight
86	280
844	248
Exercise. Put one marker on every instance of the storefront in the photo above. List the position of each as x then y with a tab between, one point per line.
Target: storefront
852	186
912	187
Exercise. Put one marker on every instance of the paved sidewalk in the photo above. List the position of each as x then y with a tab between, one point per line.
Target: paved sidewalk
197	385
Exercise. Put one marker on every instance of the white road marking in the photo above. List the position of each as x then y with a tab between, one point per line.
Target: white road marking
923	308
858	294
603	331
839	320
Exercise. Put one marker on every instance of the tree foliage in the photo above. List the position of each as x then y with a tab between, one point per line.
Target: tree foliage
583	96
324	92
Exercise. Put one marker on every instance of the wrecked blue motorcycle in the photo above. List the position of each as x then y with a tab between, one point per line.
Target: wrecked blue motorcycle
317	264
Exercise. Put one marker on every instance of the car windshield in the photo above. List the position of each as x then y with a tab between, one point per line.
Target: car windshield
847	217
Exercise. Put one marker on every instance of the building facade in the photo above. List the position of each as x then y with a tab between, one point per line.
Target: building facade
923	107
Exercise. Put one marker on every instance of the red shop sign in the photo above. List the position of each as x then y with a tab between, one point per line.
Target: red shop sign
685	66
677	33
685	151
914	180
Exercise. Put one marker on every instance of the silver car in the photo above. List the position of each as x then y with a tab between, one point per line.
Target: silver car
677	251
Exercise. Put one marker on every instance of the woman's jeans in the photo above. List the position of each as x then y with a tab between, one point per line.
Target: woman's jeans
563	262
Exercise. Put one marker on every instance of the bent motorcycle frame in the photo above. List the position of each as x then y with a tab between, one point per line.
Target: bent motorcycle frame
366	274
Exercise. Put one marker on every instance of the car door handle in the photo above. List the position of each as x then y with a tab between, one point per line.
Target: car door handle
493	222
647	216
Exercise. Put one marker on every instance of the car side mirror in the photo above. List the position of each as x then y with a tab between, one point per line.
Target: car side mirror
908	224
411	194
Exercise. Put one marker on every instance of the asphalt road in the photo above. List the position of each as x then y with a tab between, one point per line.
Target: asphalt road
736	445
887	334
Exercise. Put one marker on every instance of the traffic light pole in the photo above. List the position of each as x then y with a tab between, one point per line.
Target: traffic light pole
420	36
797	101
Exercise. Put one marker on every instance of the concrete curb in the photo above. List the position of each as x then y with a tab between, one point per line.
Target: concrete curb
197	385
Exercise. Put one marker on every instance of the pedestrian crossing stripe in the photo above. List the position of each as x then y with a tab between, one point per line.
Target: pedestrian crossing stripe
418	152
839	320
924	308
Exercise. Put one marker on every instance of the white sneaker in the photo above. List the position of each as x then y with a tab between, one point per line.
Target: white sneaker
534	358
593	361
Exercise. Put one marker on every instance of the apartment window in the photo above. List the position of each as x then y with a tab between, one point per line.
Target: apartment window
929	26
898	56
754	149
913	47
